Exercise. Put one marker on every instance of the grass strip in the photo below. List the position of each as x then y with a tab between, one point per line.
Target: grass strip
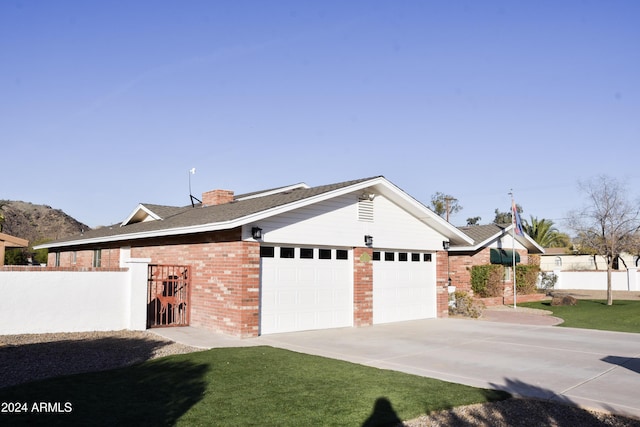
239	386
622	316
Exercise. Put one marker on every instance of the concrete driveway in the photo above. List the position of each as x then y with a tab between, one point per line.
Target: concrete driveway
586	368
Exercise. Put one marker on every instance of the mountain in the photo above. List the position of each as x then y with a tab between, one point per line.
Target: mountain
36	223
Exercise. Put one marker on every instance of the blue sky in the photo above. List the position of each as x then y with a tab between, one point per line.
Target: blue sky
104	105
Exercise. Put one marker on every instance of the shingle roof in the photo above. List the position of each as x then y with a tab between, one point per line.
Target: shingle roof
174	217
480	233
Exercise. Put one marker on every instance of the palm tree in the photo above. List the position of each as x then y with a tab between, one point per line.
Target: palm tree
544	233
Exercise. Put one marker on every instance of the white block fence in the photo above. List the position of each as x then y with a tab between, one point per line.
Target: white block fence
47	300
597	280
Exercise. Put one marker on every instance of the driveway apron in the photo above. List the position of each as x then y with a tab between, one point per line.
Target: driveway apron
587	368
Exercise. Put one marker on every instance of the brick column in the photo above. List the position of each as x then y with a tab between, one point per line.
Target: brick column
362	287
250	292
442	276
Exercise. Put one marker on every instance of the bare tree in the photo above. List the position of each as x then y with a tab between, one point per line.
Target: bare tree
608	224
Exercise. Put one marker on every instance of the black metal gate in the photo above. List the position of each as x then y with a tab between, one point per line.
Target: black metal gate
168	295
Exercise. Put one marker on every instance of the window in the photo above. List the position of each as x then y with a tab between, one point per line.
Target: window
403	256
415	257
427	257
376	256
389	256
558	261
267	251
306	253
287	253
324	254
342	254
74	257
57	259
97	258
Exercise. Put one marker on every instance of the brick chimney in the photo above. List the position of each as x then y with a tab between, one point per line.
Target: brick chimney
217	197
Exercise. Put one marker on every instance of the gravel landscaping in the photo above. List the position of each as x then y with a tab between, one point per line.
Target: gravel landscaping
31	357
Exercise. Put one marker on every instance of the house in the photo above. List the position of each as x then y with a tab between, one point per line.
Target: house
293	258
492	244
563	259
9	242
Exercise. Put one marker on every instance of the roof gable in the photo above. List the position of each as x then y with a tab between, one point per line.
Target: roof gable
150	212
482	235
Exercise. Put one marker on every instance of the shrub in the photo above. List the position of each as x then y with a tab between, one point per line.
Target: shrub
486	280
548	281
527	279
466	306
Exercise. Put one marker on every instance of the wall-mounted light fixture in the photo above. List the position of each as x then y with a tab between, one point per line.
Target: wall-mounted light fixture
446	245
368	240
256	233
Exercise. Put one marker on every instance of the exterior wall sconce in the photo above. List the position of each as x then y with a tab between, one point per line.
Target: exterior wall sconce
256	233
368	240
446	245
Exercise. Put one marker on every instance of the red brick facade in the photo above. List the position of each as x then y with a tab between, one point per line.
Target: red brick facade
460	264
225	282
217	197
442	291
362	287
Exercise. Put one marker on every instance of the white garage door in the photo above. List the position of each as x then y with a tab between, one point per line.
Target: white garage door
305	288
404	286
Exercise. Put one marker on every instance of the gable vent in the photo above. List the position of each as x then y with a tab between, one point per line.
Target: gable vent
365	210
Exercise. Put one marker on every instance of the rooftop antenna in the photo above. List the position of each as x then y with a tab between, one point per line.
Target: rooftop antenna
192	171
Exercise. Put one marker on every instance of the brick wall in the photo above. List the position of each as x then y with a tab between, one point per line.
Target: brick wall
225	282
461	263
362	287
442	293
217	197
110	258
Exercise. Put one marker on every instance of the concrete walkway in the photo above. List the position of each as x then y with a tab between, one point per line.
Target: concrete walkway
587	368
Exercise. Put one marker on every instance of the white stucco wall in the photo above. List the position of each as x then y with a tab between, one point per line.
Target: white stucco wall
73	301
597	280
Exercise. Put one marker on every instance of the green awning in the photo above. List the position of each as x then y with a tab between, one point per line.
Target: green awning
503	256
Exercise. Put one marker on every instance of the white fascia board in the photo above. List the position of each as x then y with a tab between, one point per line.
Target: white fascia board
533	243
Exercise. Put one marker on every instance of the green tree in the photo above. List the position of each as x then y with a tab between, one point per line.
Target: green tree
544	233
445	205
505	217
608	224
473	220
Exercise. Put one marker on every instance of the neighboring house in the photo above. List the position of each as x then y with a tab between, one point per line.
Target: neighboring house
293	258
564	260
10	242
492	244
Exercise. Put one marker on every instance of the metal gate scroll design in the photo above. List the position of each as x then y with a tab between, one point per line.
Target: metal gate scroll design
168	295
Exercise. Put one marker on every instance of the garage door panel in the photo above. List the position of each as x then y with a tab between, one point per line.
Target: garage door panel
309	293
403	290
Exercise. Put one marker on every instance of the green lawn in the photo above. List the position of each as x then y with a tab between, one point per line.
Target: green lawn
622	316
239	386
